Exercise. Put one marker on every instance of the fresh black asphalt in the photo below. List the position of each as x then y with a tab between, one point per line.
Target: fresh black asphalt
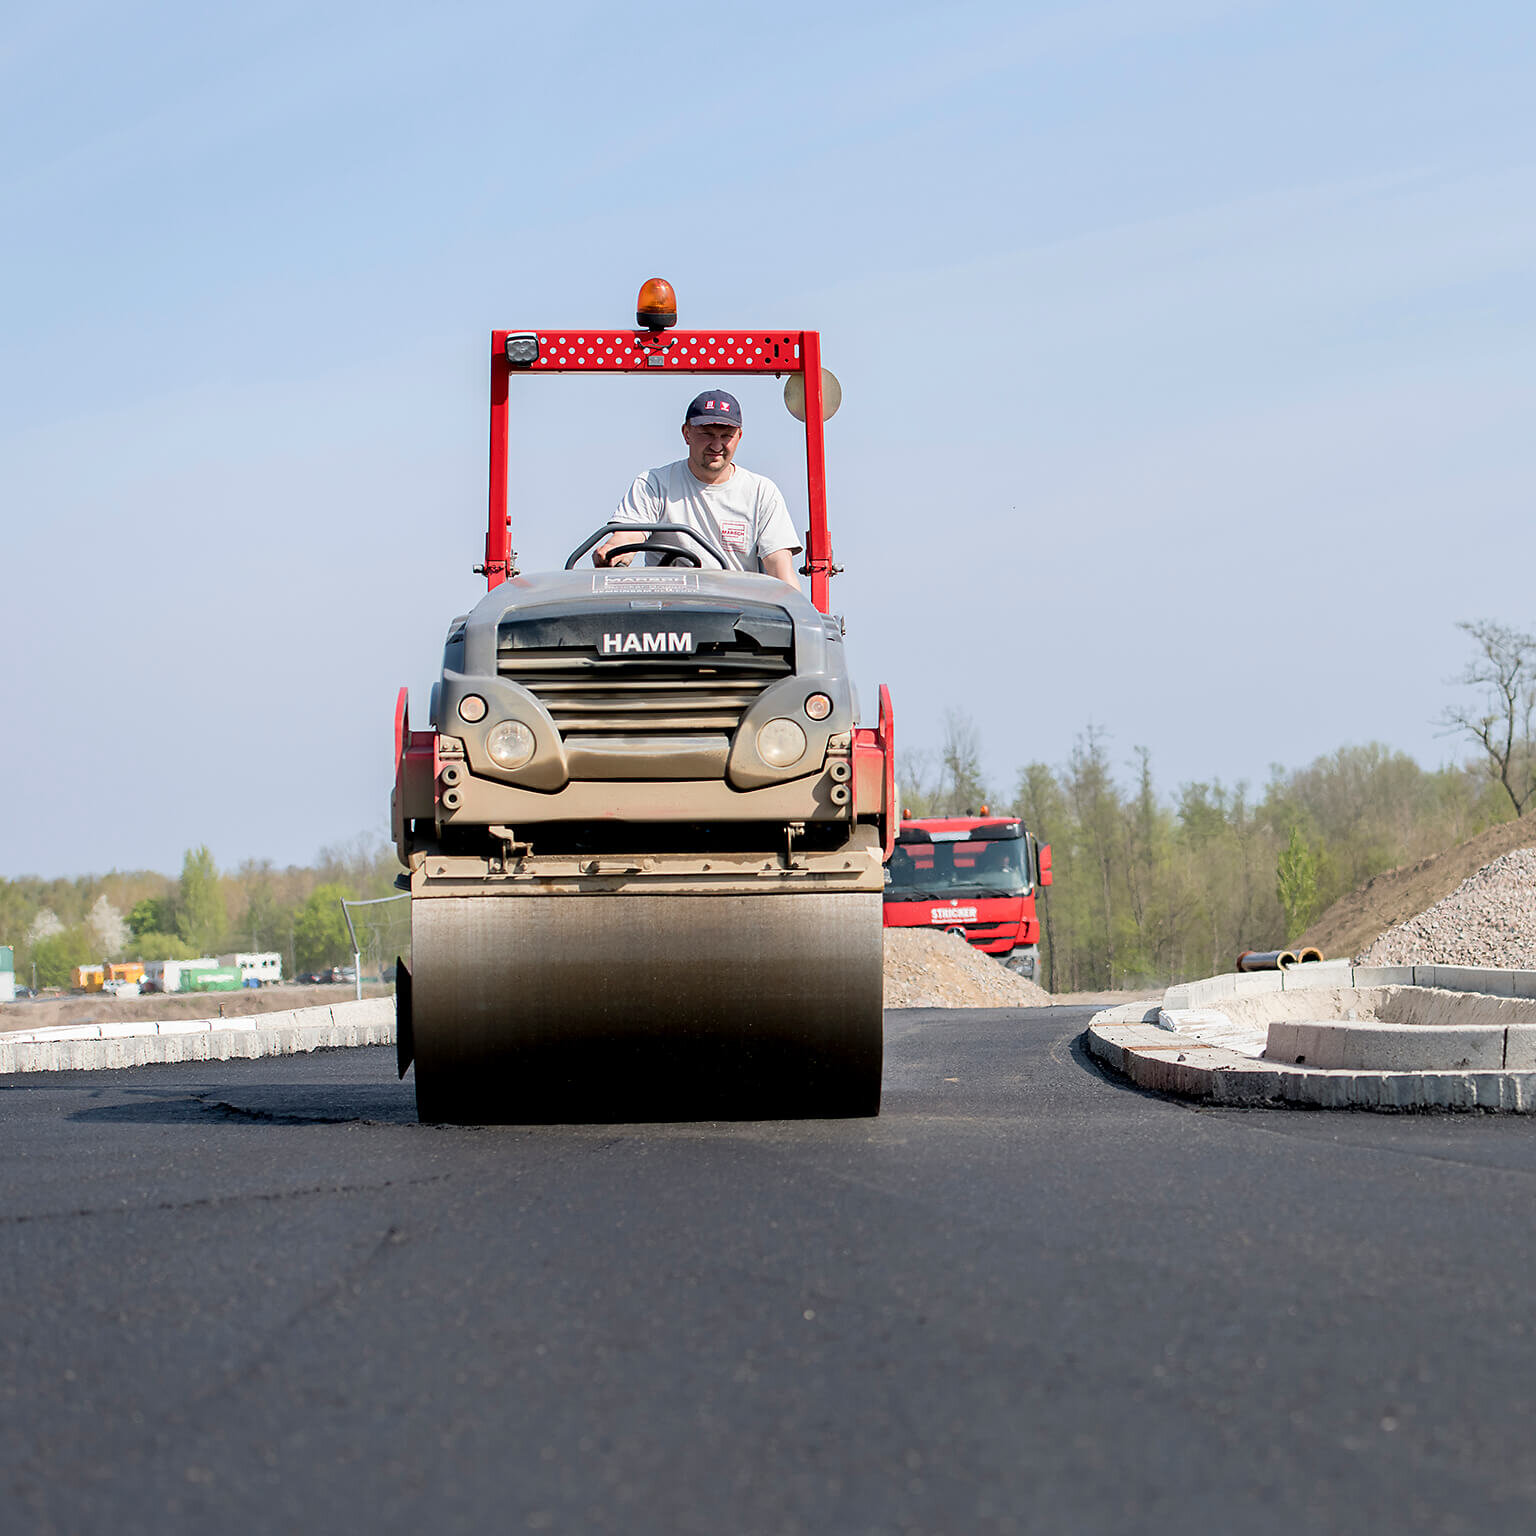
257	1296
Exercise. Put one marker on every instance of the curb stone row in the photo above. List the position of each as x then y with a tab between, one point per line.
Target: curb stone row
94	1047
1187	1047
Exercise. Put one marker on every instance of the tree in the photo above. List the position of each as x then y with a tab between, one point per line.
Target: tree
200	917
152	915
1296	883
44	926
106	926
57	955
1096	805
265	921
963	791
1040	802
917	782
320	931
366	864
162	946
1505	671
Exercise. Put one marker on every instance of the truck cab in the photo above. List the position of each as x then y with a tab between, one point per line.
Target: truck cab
971	875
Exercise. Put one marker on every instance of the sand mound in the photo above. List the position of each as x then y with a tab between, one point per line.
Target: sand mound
1489	919
928	969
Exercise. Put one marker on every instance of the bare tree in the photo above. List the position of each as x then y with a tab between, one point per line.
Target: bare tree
1505	671
917	781
960	758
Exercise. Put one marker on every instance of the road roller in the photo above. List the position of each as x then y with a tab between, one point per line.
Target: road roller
644	831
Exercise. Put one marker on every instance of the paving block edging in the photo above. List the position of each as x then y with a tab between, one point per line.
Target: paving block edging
96	1047
1340	973
1129	1041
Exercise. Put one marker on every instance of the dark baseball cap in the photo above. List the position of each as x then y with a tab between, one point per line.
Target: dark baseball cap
713	405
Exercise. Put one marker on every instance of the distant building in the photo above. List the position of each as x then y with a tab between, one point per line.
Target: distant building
257	970
167	975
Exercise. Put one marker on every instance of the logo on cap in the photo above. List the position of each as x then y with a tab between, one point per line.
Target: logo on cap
719	407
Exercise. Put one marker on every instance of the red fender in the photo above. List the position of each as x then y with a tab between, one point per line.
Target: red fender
874	772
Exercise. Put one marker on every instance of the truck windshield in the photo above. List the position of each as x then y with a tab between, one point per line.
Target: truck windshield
918	871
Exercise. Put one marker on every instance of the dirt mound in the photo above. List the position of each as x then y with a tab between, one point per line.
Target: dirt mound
1356	920
93	1008
925	969
1489	919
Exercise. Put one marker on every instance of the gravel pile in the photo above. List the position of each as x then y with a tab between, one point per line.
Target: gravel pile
928	969
1489	919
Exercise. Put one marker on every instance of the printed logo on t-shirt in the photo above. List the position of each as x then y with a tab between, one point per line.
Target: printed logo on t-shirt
734	531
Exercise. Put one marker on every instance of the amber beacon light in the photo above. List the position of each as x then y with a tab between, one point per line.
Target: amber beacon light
656	308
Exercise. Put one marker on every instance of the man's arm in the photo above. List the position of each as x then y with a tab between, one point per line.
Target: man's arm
776	536
600	555
642	504
781	563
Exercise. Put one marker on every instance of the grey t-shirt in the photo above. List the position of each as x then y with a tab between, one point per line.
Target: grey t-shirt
744	517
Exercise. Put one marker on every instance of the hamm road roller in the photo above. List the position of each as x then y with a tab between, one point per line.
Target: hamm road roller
644	830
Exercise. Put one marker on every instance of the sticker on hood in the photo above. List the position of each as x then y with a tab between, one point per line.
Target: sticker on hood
642	583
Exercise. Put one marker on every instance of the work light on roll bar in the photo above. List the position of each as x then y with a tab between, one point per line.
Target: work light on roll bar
522	348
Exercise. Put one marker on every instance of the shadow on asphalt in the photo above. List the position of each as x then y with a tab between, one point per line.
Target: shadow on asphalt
389	1102
1097	1070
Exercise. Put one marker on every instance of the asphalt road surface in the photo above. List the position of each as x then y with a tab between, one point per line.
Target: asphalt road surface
257	1296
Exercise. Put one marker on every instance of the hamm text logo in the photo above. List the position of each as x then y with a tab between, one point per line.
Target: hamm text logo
631	644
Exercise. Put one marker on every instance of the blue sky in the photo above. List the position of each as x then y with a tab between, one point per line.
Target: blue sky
1188	352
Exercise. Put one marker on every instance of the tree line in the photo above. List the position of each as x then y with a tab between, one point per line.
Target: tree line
1149	887
1153	888
56	925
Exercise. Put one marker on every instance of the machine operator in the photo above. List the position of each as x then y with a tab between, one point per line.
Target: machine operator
742	514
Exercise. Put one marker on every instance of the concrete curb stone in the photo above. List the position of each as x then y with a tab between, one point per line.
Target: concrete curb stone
97	1047
1382	1046
1500	1060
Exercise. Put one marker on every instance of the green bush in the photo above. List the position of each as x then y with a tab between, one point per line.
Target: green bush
320	931
162	946
58	955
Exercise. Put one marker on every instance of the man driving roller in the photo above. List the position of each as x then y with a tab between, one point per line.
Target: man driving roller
742	514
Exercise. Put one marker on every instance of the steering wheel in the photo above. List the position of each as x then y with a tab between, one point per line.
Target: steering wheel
671	557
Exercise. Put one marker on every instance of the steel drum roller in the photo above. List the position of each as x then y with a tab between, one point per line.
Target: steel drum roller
615	1007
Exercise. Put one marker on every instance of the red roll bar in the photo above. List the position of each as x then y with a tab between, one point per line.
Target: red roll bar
658	353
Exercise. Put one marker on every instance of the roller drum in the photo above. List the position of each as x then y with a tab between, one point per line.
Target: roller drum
646	1007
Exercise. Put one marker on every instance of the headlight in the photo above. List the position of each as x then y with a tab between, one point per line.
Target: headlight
780	743
509	744
471	708
818	706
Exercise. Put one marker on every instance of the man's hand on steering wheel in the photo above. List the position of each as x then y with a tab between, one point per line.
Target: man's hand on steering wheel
627	552
621	556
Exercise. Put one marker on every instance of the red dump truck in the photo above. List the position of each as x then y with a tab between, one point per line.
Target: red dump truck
971	875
